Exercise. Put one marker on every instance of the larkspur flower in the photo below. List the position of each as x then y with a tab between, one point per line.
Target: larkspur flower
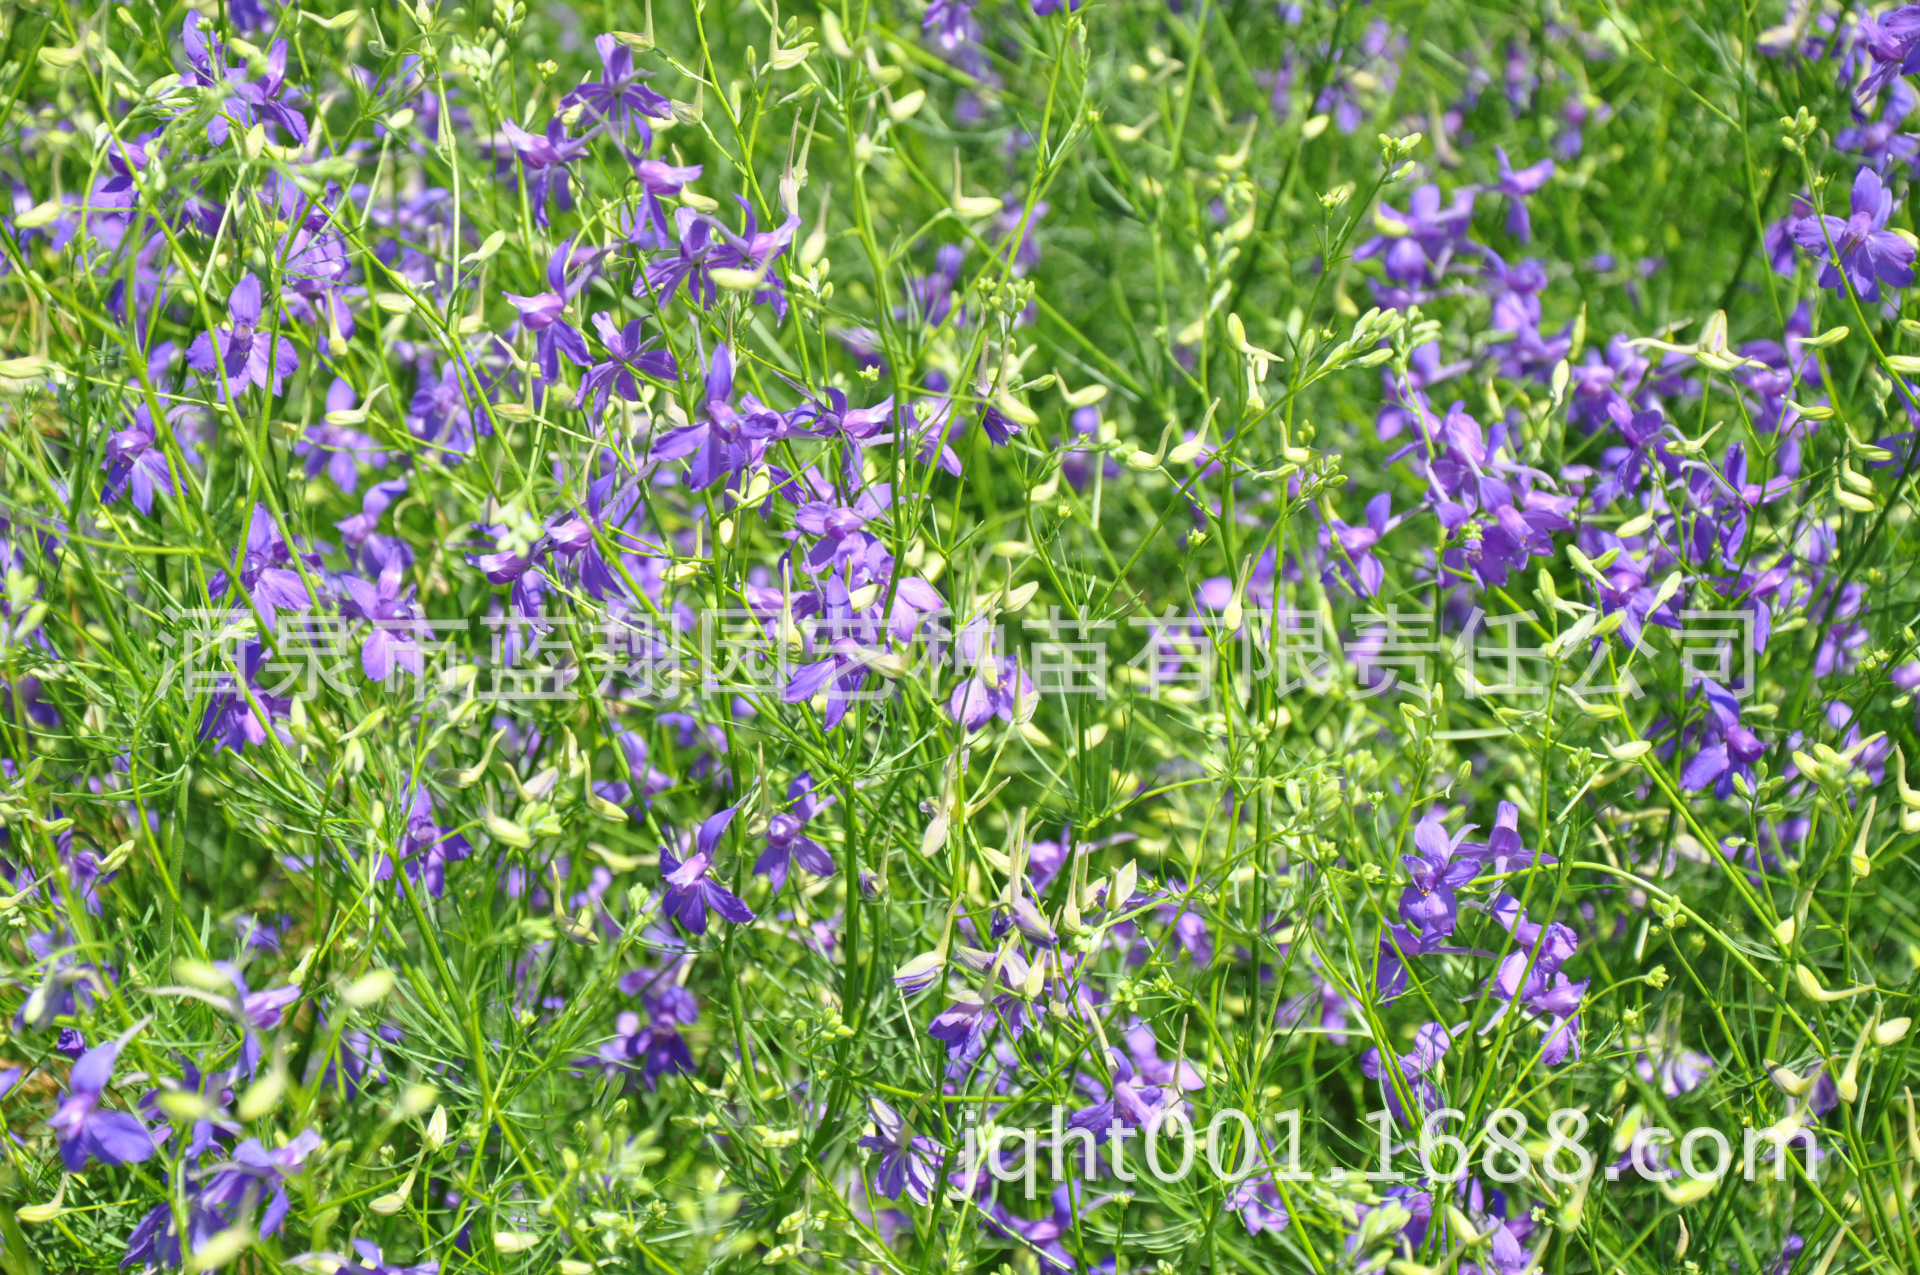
909	1164
690	893
542	316
1353	564
620	99
232	358
89	1132
1860	247
543	162
787	839
135	463
630	355
1517	186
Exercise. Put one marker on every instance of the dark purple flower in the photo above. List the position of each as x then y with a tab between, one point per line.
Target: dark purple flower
628	353
689	892
754	251
1415	246
1722	747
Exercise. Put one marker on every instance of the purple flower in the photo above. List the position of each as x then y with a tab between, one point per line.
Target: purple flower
643	1053
397	624
1516	187
619	100
1430	1045
271	586
1722	747
1878	142
232	719
1531	977
1257	1200
89	1132
628	353
251	101
368	1260
1893	42
424	846
253	1177
339	449
540	315
1354	565
689	894
1862	248
358	529
1129	1102
787	839
1435	870
236	357
951	24
135	461
694	250
544	161
1661	1058
755	250
1416	245
909	1165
